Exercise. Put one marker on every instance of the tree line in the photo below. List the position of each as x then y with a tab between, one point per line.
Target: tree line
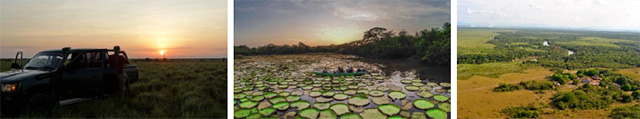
431	46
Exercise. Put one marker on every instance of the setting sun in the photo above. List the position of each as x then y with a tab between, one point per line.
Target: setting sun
161	52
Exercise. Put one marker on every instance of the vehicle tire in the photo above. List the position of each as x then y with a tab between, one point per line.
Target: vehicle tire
40	103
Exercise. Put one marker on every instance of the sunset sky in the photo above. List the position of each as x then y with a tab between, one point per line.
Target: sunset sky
183	29
259	23
613	15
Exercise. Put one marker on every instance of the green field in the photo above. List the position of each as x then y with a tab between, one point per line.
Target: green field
519	55
172	89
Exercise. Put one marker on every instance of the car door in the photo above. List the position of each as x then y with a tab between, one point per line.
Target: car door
83	74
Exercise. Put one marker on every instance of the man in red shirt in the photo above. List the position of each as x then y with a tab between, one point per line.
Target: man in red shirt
121	61
121	81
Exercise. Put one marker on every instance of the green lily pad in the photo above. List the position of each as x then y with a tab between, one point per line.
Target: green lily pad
257	98
241	113
417	84
423	104
372	113
383	88
284	94
437	114
445	106
315	93
350	116
340	96
322	106
328	93
281	105
267	111
270	94
323	99
418	115
380	100
376	93
239	96
310	113
340	108
389	109
359	100
396	117
350	92
277	99
300	104
440	98
327	114
292	98
406	81
254	116
397	95
411	88
248	104
425	94
432	84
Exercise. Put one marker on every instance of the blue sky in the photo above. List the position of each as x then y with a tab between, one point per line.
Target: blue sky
315	22
614	15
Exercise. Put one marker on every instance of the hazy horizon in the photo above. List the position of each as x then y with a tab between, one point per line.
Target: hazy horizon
594	15
316	23
183	29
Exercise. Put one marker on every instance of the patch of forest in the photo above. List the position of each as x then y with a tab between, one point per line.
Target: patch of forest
591	49
610	89
431	46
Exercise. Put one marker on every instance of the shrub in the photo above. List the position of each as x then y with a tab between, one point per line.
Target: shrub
507	87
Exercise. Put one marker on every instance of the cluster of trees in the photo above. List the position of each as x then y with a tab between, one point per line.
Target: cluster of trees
529	85
432	46
564	78
631	112
611	89
529	111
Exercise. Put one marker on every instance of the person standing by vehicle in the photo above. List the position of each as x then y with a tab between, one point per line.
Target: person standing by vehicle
120	69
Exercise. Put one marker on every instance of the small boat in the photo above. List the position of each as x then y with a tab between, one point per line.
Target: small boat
339	74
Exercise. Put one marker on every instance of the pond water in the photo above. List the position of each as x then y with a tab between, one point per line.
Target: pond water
291	76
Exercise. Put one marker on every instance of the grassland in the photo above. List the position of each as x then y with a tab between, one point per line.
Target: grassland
172	89
476	98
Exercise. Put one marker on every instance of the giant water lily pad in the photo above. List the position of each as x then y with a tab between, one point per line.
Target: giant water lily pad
397	95
315	93
323	99
445	106
340	96
383	88
328	93
411	88
406	81
300	104
424	94
389	109
239	96
241	113
359	100
254	116
437	114
350	92
376	93
327	114
292	98
440	98
284	94
423	104
267	111
270	94
257	98
340	108
372	113
418	115
396	117
281	105
350	116
277	100
310	113
380	100
322	106
248	104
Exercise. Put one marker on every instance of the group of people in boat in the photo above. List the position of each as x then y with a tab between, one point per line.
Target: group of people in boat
349	70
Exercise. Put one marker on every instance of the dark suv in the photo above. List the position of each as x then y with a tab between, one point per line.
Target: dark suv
54	75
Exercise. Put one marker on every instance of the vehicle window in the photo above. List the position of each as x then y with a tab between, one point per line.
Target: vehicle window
94	59
44	61
78	61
